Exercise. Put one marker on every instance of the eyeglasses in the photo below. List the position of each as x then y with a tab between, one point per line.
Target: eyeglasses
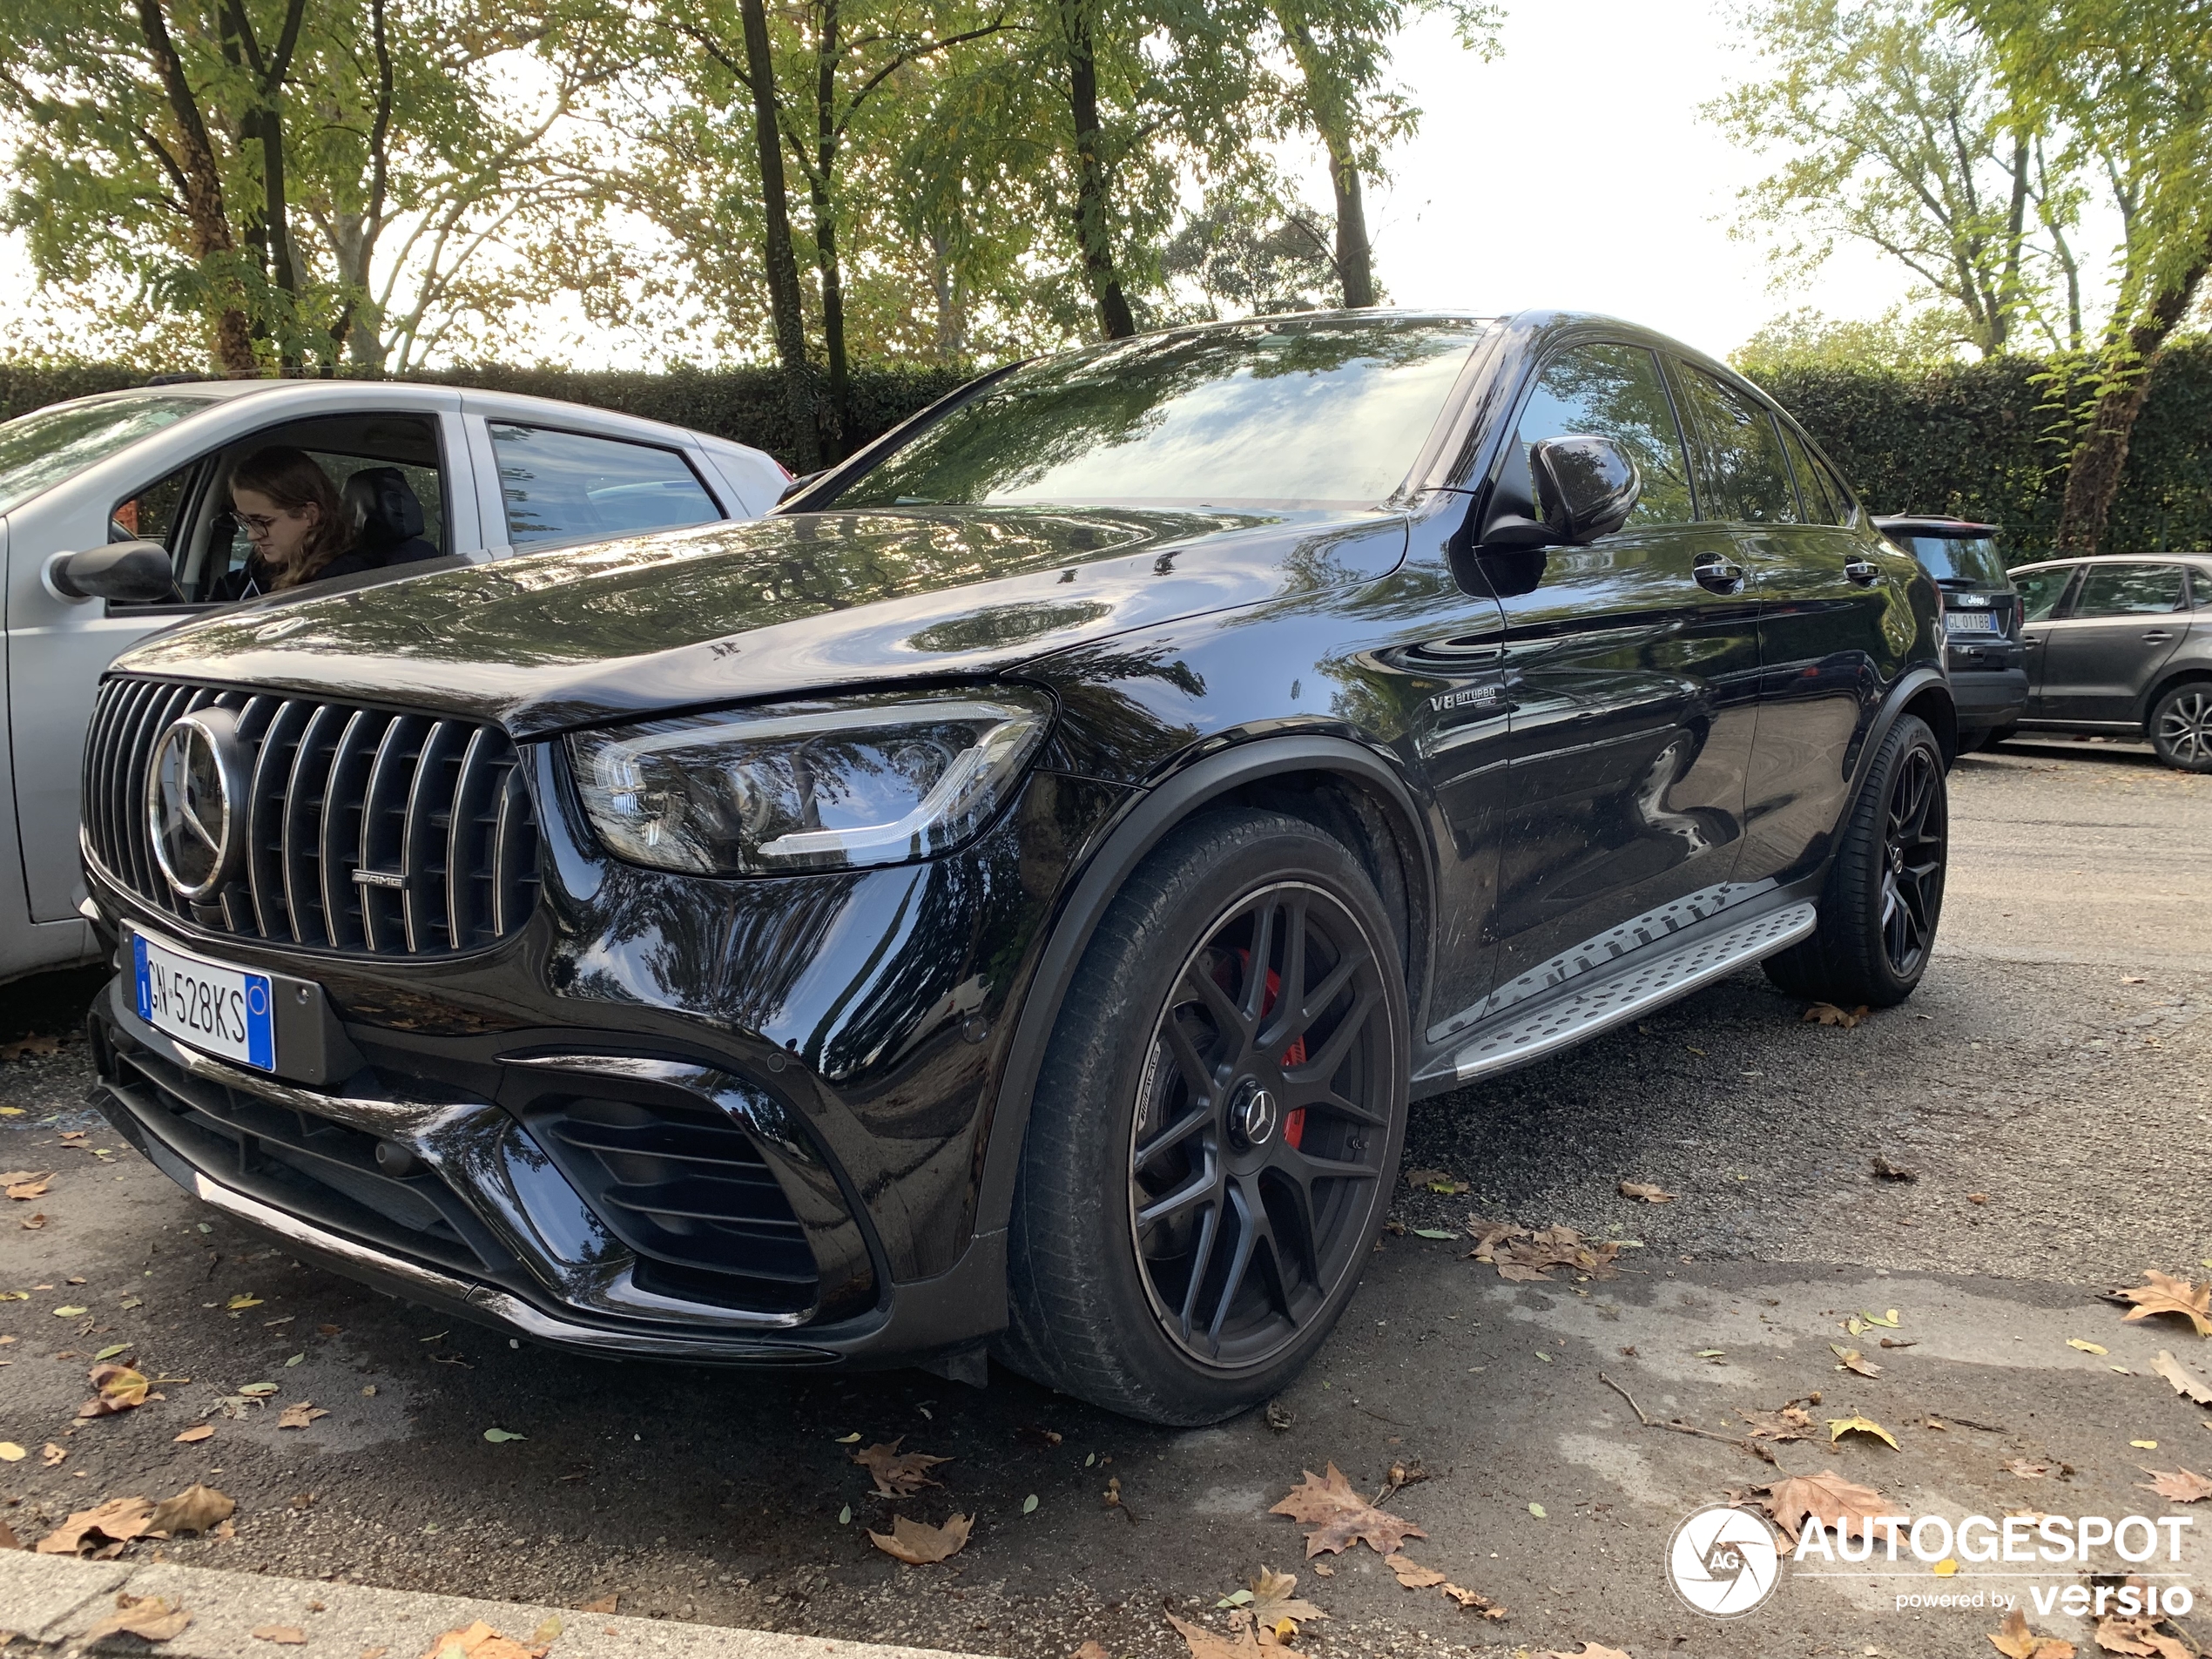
259	523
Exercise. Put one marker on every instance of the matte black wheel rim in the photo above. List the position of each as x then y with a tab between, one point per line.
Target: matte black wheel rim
1913	862
2185	728
1262	1121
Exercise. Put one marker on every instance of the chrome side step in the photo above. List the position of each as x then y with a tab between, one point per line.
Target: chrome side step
1640	981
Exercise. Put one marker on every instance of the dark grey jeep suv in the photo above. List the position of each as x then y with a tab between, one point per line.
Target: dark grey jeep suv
1004	900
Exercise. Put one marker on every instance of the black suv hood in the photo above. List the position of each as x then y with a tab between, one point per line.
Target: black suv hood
778	606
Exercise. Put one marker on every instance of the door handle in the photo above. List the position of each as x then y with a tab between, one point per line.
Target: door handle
1722	576
2156	637
1865	572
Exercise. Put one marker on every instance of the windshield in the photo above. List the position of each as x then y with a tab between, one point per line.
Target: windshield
1956	558
1330	412
40	449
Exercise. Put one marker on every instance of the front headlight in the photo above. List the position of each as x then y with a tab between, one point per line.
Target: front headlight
827	785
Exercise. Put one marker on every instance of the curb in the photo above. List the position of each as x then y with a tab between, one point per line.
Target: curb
48	1600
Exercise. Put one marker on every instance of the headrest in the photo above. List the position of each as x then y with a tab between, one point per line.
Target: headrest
383	506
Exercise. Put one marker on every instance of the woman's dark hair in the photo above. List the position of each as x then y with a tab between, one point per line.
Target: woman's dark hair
292	479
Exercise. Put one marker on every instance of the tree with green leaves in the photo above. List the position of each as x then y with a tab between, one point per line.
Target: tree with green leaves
1893	132
2133	79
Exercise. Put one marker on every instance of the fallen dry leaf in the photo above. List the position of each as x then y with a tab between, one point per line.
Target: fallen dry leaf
196	1433
1520	1254
1648	1193
1411	1573
24	1048
899	1475
1790	1422
8	1539
1851	1360
197	1508
1340	1517
600	1604
149	1616
1244	1643
1888	1171
1839	1427
101	1531
2177	1486
1474	1602
480	1641
2184	1380
1275	1597
1829	1013
23	1185
1589	1650
290	1635
2028	1468
919	1544
2160	1293
34	1223
299	1413
2015	1641
1827	1499
1090	1651
2138	1635
1440	1181
121	1390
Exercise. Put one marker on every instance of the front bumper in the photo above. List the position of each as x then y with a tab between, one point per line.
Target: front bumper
847	1030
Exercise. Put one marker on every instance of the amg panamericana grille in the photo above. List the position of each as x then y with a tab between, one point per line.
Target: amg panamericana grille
366	831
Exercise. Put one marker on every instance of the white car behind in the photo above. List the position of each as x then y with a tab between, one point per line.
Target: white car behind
492	474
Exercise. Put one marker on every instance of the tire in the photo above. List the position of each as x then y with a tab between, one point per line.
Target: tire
2180	726
1884	893
1162	1092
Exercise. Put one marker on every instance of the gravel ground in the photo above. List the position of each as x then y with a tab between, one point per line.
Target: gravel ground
2055	1064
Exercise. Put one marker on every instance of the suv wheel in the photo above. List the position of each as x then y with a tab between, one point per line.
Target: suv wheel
2180	726
1885	895
1216	1126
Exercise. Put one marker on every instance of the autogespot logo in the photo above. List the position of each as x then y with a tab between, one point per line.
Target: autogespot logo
1723	1562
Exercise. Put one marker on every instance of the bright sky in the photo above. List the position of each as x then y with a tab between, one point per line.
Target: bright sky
1573	170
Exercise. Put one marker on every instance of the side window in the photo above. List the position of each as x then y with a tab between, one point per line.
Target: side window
153	513
1616	392
2129	590
564	487
1745	477
1814	486
228	550
2039	591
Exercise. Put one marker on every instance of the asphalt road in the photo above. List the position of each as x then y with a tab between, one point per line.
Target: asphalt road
2055	1064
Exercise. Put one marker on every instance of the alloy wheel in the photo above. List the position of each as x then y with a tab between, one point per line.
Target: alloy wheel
2185	728
1262	1119
1912	861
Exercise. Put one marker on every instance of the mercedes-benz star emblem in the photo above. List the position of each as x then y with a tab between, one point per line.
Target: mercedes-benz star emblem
1256	1117
195	801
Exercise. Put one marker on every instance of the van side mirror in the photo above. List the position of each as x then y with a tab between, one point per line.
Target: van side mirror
132	572
1587	487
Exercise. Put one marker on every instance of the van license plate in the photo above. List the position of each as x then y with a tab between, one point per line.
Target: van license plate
226	1011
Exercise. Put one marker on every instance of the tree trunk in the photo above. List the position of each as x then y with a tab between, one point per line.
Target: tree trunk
784	305
826	255
210	226
1094	216
2092	478
1334	119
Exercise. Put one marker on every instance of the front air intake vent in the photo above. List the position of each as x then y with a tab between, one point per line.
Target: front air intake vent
686	1190
366	831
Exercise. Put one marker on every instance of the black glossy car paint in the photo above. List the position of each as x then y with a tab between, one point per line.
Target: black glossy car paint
1524	751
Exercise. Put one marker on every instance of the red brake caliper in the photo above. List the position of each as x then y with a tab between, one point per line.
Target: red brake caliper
1294	1122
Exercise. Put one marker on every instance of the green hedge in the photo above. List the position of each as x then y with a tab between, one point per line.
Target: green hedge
1974	438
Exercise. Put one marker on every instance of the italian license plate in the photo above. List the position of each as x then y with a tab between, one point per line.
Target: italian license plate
1970	622
225	1010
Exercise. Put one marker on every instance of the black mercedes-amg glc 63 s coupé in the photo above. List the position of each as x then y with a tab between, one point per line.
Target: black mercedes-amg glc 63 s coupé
1004	901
